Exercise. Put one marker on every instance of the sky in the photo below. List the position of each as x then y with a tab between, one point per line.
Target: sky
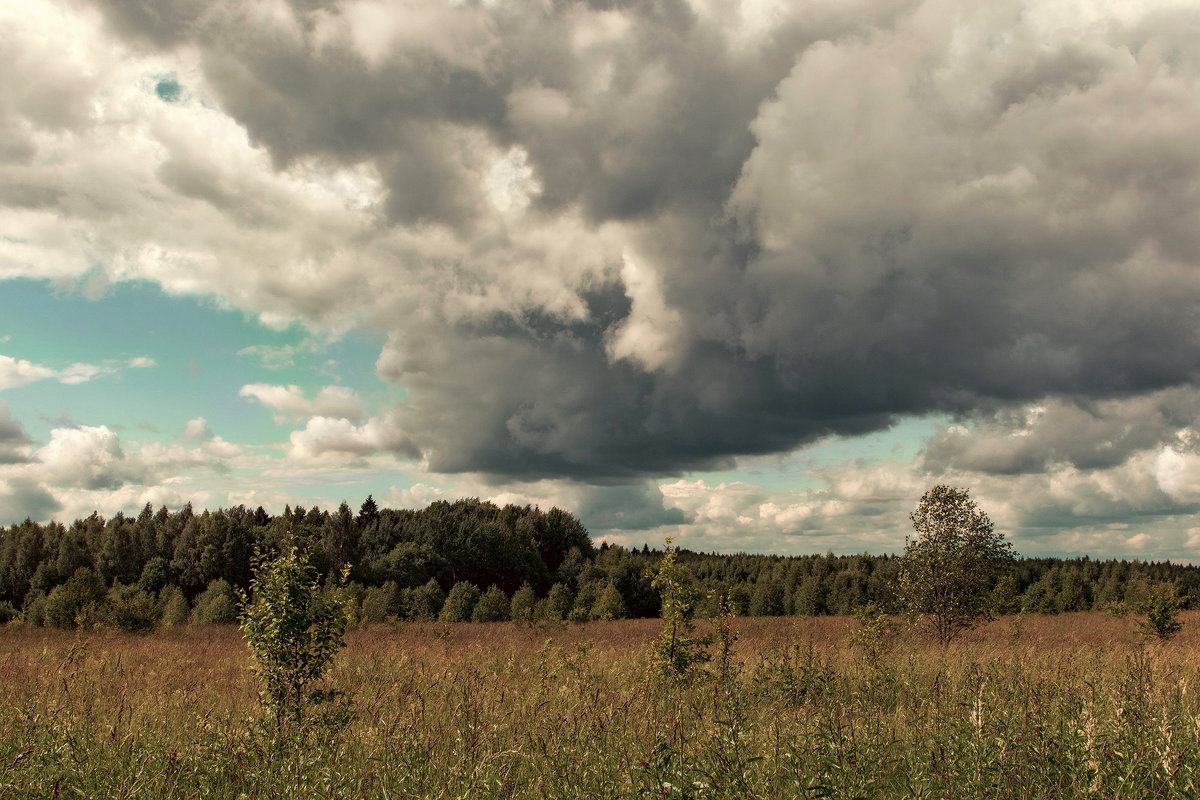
751	275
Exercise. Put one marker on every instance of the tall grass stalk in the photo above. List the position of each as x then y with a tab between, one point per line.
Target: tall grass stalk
1081	706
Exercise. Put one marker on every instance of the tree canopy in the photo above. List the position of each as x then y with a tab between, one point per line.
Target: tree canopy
949	569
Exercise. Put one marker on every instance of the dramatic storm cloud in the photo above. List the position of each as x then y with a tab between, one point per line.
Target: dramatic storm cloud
616	243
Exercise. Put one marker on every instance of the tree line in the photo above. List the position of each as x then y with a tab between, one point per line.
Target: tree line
472	560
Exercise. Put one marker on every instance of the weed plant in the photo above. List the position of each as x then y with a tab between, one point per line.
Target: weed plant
1072	706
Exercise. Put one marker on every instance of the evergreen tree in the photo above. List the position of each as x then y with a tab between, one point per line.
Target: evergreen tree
368	513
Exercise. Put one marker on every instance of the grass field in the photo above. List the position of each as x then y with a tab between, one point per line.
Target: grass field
1067	706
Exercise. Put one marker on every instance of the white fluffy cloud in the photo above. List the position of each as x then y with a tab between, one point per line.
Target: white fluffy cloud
16	372
324	437
617	244
330	401
197	430
85	458
85	468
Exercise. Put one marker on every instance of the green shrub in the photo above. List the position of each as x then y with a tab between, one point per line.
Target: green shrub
1161	607
873	635
609	605
460	603
555	606
677	651
522	606
492	607
173	606
77	602
380	603
216	605
585	598
33	609
423	603
130	609
294	629
8	612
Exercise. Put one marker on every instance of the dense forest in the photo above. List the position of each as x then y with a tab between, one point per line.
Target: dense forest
467	560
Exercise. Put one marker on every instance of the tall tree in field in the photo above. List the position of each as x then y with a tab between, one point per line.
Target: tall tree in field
949	568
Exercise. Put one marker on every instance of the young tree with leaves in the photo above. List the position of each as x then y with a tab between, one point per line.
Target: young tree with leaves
460	603
678	650
294	629
950	567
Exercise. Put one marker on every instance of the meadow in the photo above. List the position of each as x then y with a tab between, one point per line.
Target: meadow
1066	706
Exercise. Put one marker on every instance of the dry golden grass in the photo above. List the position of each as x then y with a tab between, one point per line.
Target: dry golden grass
1077	705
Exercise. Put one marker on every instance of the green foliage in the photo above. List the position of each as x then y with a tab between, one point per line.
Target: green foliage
173	605
874	633
609	605
522	607
155	575
948	571
76	603
556	605
216	605
585	598
294	629
484	544
677	651
424	603
767	599
8	612
1005	598
33	610
1161	607
379	603
493	606
460	603
130	609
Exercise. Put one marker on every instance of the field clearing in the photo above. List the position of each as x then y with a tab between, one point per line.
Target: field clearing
1075	705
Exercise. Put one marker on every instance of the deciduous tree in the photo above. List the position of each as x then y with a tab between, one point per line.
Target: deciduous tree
950	567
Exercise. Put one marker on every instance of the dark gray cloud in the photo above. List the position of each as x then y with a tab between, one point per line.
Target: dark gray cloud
627	508
725	235
14	442
21	499
1089	436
